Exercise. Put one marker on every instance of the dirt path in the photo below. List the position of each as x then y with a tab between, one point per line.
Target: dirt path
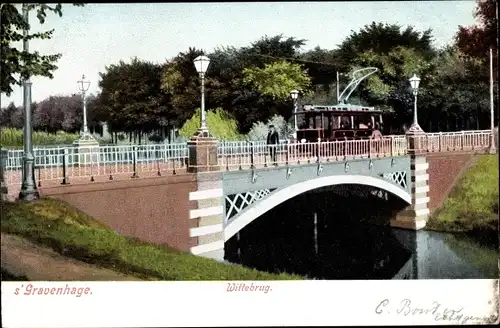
21	257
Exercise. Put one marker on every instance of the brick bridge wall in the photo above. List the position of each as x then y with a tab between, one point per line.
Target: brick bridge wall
151	209
157	209
444	171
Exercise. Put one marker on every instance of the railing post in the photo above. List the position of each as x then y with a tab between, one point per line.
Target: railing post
239	157
319	147
251	155
64	164
287	151
369	147
440	140
265	155
134	161
225	155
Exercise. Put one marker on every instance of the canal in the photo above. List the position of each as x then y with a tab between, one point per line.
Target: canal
343	232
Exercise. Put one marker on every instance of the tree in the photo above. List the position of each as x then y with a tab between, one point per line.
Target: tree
389	87
180	82
476	40
7	114
322	66
383	38
132	98
59	113
243	101
278	79
457	93
13	116
18	65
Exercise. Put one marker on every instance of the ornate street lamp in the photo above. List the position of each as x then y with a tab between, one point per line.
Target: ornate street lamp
28	191
295	95
83	86
414	82
201	64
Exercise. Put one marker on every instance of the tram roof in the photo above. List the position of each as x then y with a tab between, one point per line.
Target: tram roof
339	108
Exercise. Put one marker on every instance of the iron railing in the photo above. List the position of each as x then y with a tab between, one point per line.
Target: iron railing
64	164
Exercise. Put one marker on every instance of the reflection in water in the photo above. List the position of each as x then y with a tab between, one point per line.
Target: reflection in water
343	232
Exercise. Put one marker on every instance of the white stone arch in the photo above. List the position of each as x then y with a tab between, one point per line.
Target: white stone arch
241	220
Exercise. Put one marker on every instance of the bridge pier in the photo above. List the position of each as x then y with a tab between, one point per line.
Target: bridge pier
415	216
209	209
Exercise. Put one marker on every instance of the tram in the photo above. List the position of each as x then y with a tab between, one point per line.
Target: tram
339	122
342	121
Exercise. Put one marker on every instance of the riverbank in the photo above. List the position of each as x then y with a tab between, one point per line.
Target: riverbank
74	235
472	206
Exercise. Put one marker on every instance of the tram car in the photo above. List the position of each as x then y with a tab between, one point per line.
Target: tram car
338	122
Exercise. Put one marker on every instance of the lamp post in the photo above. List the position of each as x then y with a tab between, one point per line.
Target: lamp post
201	64
28	191
83	86
415	128
294	94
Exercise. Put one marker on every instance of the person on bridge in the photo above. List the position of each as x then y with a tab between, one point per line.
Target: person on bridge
376	134
272	142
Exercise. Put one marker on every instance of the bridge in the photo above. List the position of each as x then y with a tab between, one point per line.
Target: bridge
197	195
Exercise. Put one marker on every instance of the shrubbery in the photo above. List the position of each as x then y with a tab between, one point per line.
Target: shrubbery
10	137
220	124
259	130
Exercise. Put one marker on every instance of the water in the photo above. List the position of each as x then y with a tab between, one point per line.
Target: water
343	232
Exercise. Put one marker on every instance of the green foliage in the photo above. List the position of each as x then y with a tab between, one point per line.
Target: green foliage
14	138
382	38
278	79
473	203
260	130
15	62
220	124
476	40
74	234
132	98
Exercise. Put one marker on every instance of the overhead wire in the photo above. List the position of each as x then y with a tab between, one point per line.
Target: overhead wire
296	59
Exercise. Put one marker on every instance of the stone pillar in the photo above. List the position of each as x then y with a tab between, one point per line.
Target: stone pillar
202	154
87	149
415	216
209	214
209	198
3	164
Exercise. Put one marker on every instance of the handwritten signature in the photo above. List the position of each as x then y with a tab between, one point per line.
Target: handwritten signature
436	310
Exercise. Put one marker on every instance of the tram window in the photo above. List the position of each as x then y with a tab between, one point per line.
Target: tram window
345	122
301	122
362	122
335	121
326	121
311	122
317	121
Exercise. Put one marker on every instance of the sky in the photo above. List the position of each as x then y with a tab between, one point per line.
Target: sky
98	35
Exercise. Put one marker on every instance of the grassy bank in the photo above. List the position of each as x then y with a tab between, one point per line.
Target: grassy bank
74	234
472	206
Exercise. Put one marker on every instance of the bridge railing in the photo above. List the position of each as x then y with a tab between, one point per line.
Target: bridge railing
108	162
259	154
65	163
454	141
